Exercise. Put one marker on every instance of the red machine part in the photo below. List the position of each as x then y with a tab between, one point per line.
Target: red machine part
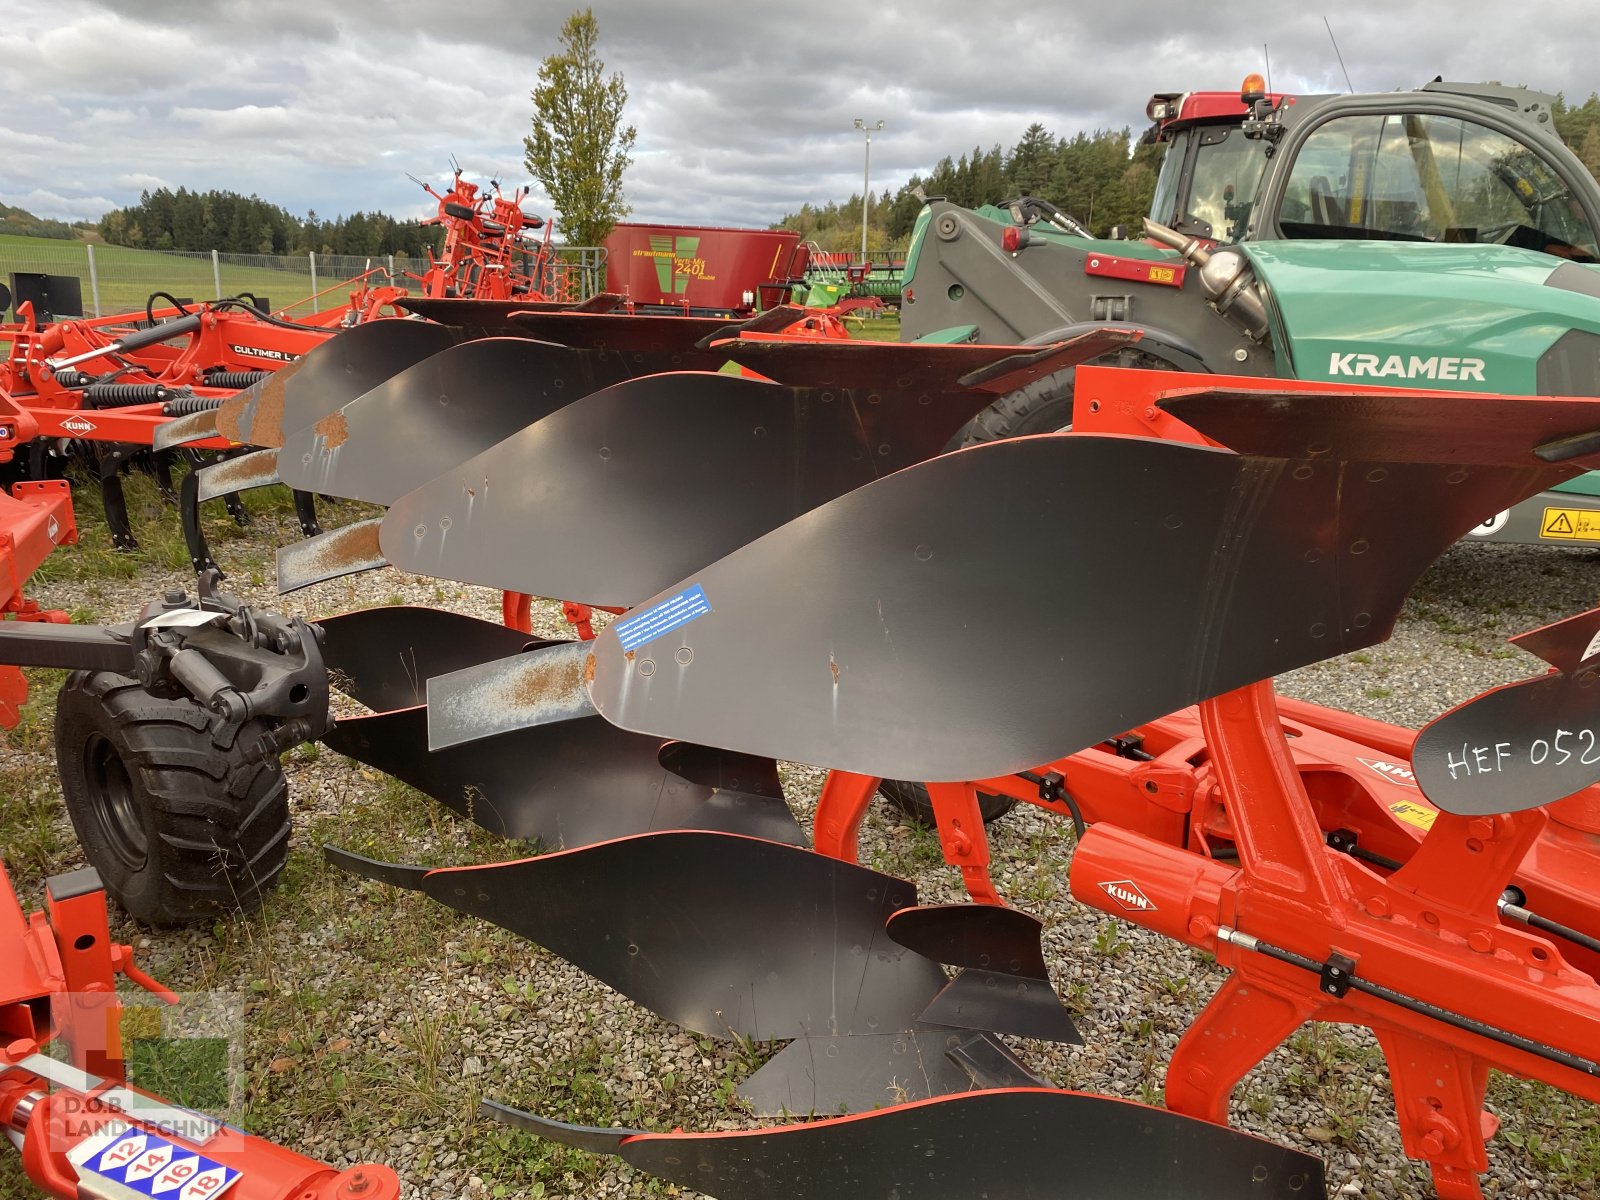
483	241
1292	842
192	348
60	983
703	268
34	519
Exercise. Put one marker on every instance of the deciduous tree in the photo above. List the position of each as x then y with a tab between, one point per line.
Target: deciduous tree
579	146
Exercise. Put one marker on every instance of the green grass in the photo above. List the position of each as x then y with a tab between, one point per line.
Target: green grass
128	276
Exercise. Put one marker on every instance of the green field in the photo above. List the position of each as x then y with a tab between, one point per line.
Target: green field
127	276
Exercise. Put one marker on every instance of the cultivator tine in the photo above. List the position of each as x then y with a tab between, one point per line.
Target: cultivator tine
878	672
331	555
195	427
727	936
1002	984
1026	1143
383	657
257	469
537	688
621	460
574	784
434	415
327	378
1523	744
580	1137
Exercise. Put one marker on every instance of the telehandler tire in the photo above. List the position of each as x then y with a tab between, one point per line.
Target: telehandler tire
180	826
1044	406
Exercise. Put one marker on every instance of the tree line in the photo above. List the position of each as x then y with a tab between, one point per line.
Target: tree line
226	221
22	223
1104	178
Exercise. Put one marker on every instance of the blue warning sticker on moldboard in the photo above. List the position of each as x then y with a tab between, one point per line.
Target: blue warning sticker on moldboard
672	613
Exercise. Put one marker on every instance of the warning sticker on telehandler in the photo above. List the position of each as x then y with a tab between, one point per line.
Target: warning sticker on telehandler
1570	525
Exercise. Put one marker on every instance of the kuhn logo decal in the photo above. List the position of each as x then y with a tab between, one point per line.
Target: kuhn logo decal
1392	771
78	425
1127	894
1401	366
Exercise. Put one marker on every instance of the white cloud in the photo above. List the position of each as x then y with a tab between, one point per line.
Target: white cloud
743	111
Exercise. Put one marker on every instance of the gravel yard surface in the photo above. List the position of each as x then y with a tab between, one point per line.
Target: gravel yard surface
370	1022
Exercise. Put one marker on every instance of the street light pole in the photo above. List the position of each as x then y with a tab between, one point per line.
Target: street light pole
866	177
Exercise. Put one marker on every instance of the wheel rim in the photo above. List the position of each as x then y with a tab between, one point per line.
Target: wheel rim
111	796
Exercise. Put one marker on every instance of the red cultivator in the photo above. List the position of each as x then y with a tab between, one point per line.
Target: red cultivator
1454	918
106	386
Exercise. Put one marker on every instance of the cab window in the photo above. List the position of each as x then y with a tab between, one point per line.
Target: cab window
1226	174
1424	178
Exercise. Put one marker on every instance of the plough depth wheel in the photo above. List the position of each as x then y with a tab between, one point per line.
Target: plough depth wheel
178	822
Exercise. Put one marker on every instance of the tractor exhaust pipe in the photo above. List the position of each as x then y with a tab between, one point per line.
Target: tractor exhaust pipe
1229	282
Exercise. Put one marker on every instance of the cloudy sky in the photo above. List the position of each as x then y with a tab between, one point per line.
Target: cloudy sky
744	108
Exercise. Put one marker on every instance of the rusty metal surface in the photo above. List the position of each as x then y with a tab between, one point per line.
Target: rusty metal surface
727	936
437	414
571	784
1524	744
328	377
193	428
541	687
1224	570
257	469
1020	1144
856	369
383	657
330	555
677	470
856	1073
236	416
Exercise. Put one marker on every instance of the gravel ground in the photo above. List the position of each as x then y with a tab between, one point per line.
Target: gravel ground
373	1022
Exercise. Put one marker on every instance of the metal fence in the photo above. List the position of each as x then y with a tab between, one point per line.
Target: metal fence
116	279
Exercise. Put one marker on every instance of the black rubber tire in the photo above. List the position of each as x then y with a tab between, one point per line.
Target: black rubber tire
1044	406
178	824
913	800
